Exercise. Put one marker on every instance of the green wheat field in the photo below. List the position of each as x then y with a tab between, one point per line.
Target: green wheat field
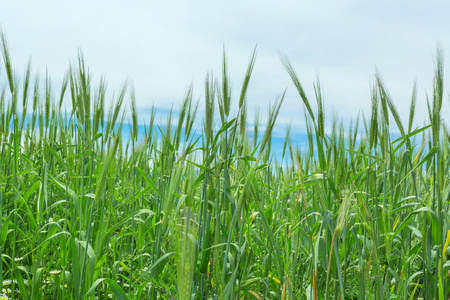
198	208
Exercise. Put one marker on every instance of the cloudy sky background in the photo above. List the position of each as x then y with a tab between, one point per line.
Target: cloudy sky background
164	46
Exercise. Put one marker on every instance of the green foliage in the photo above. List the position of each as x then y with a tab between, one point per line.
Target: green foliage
213	214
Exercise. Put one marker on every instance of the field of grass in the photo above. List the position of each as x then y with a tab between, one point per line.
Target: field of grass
171	214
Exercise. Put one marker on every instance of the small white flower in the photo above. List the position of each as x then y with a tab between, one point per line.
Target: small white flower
55	272
48	280
7	282
3	297
18	259
126	285
110	295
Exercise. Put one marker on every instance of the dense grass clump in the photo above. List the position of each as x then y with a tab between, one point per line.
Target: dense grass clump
171	214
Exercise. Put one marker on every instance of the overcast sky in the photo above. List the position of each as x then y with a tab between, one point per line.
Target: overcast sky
163	46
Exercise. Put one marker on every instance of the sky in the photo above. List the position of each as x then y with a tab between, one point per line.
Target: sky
164	46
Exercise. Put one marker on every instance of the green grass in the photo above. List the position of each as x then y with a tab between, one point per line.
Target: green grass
86	214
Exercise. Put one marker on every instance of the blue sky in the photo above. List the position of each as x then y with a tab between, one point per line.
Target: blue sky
164	46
